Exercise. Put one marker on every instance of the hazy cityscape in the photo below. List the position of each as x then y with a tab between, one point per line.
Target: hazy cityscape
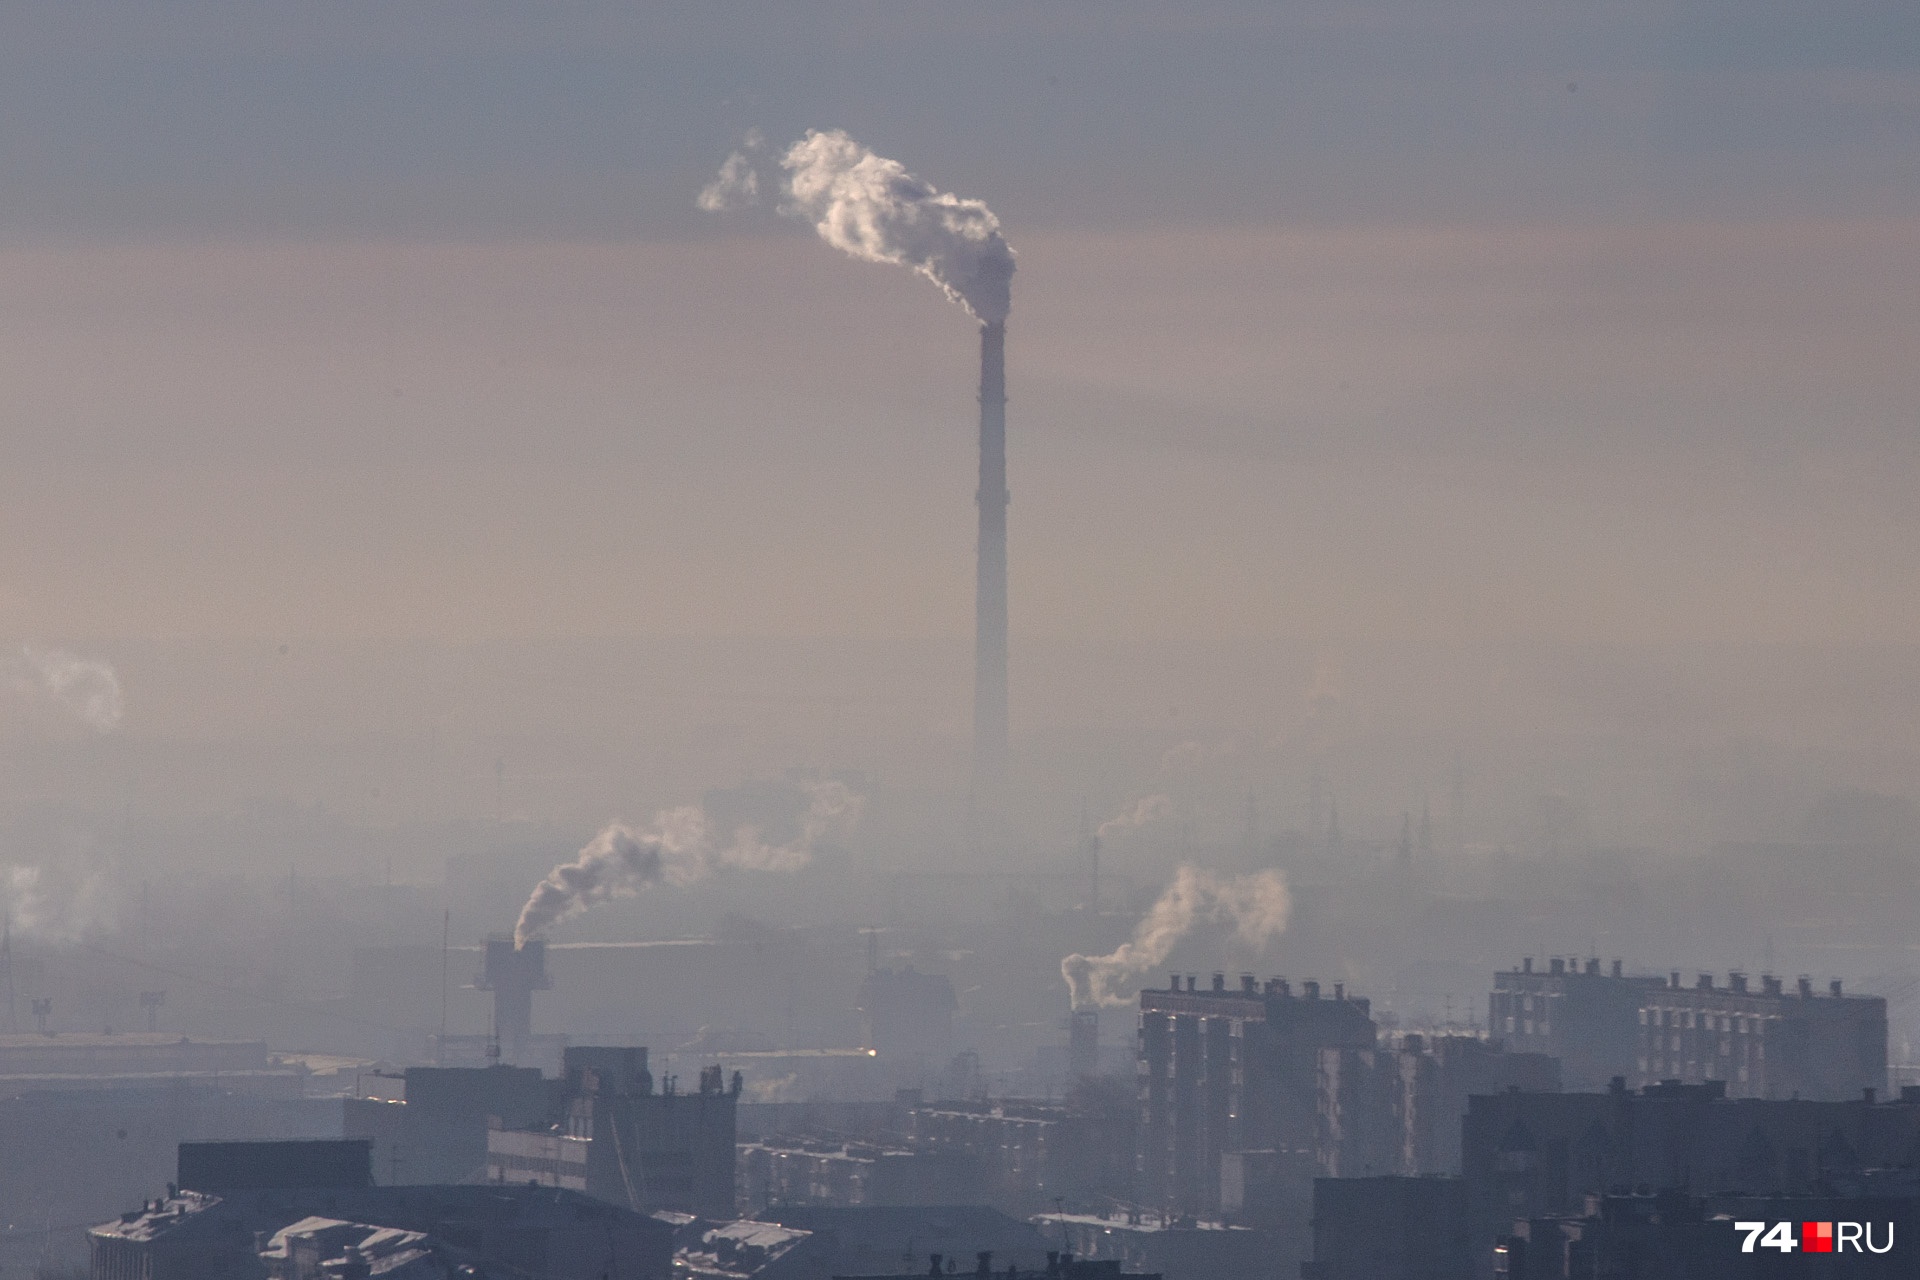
871	639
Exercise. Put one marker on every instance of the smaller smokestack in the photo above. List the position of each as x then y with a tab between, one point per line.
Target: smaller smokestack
513	974
1083	1043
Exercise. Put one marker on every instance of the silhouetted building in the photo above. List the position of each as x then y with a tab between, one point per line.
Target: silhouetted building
1232	1069
221	1167
1179	1248
1763	1043
1671	1235
1397	1109
1389	1228
819	1172
1538	1155
194	1235
873	1241
448	1113
641	1147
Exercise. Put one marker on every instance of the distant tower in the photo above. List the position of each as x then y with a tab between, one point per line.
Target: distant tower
990	597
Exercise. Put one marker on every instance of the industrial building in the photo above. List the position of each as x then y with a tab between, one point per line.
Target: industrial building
1768	1042
604	1125
1232	1069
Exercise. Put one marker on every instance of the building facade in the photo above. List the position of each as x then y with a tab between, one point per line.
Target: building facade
1232	1069
1764	1042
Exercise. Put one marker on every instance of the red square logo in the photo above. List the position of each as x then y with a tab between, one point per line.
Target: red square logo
1816	1237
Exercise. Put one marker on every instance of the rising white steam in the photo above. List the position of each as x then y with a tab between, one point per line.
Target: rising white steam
871	208
1256	905
737	185
57	908
84	687
679	848
1145	810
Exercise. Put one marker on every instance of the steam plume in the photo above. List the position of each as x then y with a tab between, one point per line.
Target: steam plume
871	208
678	849
56	907
1147	809
86	687
737	185
1257	905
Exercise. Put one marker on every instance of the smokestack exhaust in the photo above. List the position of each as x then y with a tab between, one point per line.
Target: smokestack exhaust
990	598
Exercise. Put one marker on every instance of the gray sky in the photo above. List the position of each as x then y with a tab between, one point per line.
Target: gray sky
1447	321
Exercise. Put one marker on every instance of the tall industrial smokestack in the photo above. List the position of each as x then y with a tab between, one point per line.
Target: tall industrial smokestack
990	599
871	208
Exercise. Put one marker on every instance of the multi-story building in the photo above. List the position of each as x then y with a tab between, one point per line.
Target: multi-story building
1538	1155
1232	1069
1396	1109
1765	1043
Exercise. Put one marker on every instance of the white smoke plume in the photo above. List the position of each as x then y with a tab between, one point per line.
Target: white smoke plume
1145	810
871	208
1256	905
55	908
84	687
680	848
737	185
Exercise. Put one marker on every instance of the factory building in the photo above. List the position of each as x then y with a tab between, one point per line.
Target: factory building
1767	1042
1232	1070
604	1127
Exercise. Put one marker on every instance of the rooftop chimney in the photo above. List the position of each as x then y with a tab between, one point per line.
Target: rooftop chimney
1526	965
990	596
1738	981
1219	982
1311	990
1833	988
1616	968
1557	965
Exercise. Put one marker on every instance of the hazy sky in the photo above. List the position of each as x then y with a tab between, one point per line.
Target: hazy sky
1576	321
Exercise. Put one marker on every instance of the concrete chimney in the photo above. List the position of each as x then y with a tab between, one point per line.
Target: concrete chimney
513	975
990	597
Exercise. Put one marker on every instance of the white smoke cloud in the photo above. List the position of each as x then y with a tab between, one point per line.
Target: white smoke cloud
55	908
84	687
680	848
1256	905
871	208
1145	810
737	185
